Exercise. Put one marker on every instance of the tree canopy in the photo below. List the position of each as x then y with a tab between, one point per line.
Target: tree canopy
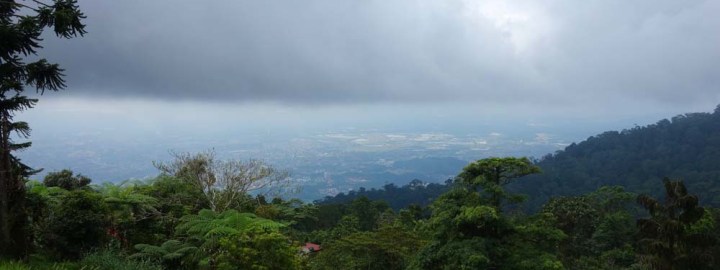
684	147
21	27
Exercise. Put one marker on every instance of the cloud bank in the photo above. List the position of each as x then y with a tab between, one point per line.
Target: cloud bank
358	52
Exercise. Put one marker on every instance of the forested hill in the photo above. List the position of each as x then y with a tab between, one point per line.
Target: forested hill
414	193
685	147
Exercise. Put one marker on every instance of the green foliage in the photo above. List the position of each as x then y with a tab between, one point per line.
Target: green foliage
75	225
257	250
224	182
446	208
410	218
66	180
598	225
686	147
208	224
40	199
476	216
666	240
707	224
464	231
13	266
172	254
611	199
469	227
534	245
614	231
325	219
43	191
414	193
21	28
37	265
388	248
131	213
491	174
174	199
469	230
293	212
577	217
615	259
367	212
208	229
329	214
461	254
110	260
499	171
348	224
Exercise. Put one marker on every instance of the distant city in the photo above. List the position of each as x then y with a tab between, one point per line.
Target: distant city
321	164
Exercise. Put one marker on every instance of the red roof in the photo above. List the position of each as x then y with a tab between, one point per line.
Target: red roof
311	247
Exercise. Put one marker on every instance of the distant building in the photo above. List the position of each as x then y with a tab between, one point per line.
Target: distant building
310	248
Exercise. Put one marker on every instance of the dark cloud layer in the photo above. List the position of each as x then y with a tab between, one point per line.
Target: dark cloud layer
339	51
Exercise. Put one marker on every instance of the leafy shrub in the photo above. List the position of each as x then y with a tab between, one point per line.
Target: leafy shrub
76	224
64	179
37	265
271	251
110	260
172	254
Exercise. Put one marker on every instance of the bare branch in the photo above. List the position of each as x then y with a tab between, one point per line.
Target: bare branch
225	182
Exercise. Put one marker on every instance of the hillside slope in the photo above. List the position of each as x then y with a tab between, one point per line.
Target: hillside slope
685	147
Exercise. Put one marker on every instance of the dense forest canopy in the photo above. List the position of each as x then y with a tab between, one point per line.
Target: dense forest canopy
416	192
685	147
168	223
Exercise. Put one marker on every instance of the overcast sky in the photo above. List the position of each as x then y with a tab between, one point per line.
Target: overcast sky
597	59
551	53
211	72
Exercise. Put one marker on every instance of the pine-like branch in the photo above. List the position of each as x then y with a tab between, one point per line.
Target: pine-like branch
45	76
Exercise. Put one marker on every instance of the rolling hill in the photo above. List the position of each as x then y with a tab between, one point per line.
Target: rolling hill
684	147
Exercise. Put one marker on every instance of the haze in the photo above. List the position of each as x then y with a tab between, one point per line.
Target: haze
153	76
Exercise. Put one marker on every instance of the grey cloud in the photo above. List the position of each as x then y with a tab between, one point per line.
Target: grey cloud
342	51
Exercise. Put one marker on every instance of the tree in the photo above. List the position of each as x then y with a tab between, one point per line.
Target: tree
130	212
225	182
470	231
491	174
578	219
666	241
172	254
208	229
208	226
64	179
598	227
175	199
367	212
21	25
388	248
257	250
76	224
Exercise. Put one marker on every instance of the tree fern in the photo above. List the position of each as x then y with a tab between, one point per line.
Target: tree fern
127	204
208	224
173	254
666	240
206	229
